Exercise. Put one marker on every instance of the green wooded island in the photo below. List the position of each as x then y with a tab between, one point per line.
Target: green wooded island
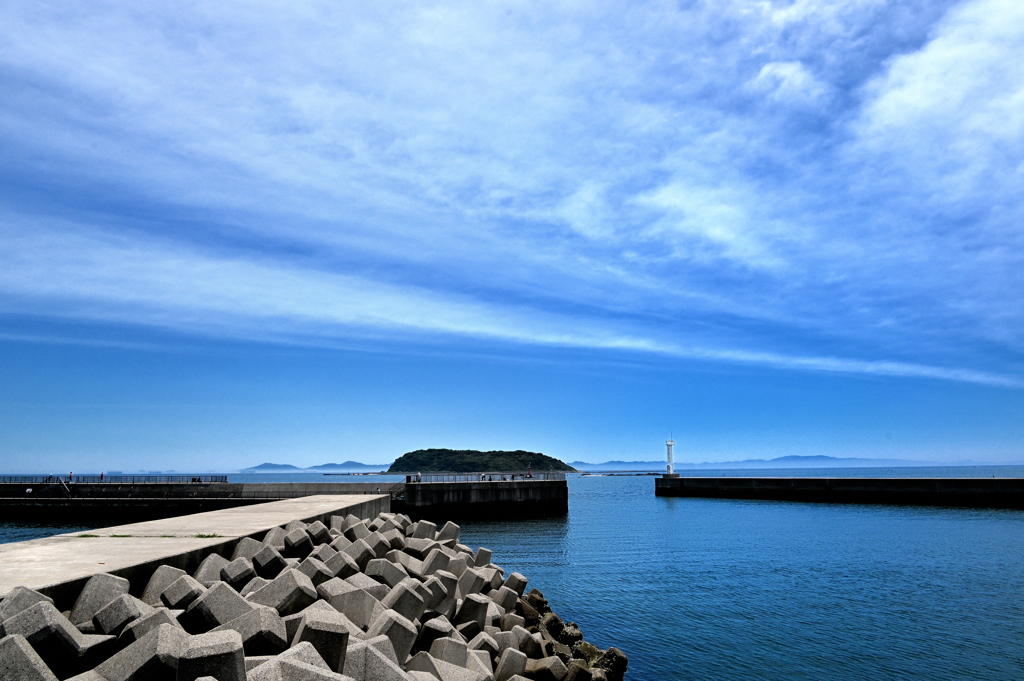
472	461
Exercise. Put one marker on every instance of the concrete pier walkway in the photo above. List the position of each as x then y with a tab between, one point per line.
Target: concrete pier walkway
59	564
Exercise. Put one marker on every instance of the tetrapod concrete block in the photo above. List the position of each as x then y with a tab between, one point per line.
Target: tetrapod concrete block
262	631
100	590
288	593
154	657
484	641
341	523
218	654
378	544
269	562
546	669
450	650
219	605
517	583
473	609
19	598
494	614
482	557
328	632
450	583
425	530
319	533
19	662
435	560
449	531
323	553
316	570
163	577
398	629
436	592
468	630
480	661
275	537
295	525
238	573
394	537
420	548
208	571
510	663
285	669
342	565
369	585
116	615
356	531
521	635
353	602
512	620
433	629
292	622
340	542
493	578
471	582
531	644
386	572
182	592
578	671
444	671
305	652
413	566
360	552
64	649
254	584
137	629
404	600
505	640
297	544
459	564
247	547
373	660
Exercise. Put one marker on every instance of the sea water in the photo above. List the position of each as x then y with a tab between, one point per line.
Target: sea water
727	589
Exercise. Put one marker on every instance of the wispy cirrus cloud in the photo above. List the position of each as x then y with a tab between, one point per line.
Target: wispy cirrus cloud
807	185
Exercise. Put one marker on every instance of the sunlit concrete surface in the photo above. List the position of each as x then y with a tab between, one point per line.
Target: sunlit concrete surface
67	558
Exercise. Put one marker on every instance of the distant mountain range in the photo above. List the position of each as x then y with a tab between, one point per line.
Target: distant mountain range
779	462
346	467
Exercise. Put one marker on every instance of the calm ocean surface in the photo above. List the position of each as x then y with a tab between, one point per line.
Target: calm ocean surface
723	589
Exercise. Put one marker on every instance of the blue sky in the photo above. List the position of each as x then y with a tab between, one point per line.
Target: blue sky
242	232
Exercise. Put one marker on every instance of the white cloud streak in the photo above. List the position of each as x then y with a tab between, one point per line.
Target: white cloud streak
845	175
102	277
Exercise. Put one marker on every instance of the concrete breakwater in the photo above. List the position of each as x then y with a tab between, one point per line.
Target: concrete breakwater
489	497
420	497
342	596
962	492
56	499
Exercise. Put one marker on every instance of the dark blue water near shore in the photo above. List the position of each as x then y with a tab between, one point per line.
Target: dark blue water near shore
720	589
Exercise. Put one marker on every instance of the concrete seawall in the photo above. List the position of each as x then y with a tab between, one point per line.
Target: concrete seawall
492	500
962	492
110	501
59	566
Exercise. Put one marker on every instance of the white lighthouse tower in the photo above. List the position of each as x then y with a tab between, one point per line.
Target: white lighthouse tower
669	445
